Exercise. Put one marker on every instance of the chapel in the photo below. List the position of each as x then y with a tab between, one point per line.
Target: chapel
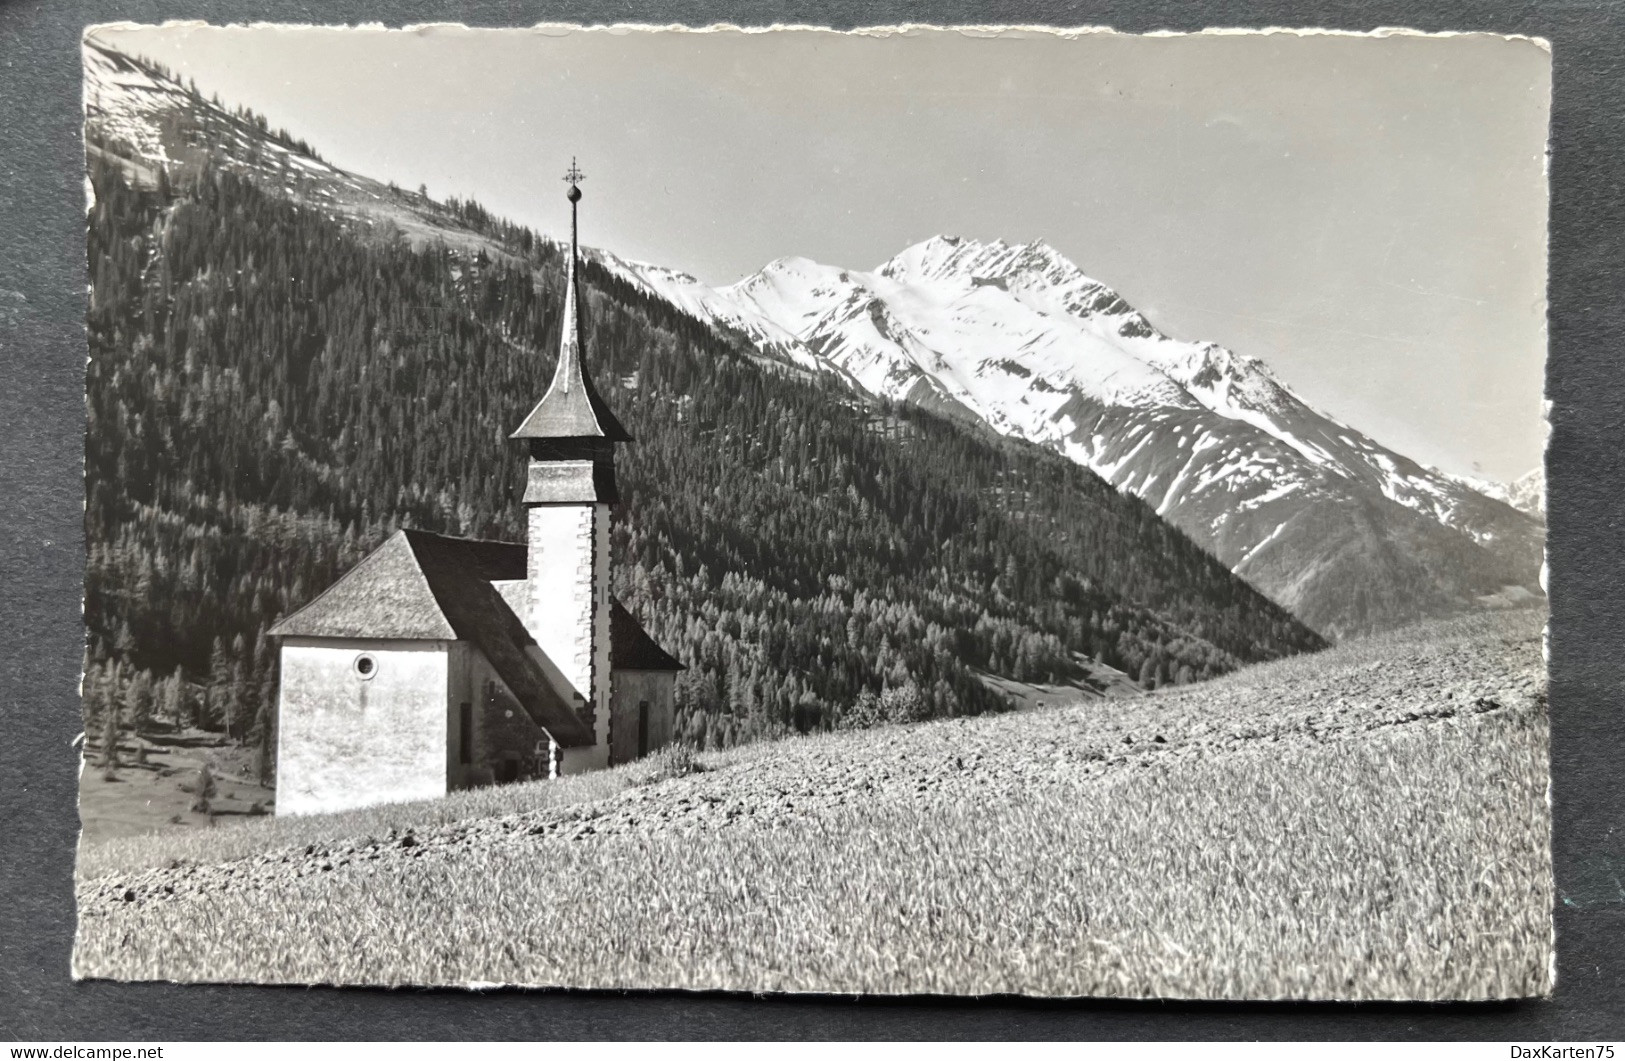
440	663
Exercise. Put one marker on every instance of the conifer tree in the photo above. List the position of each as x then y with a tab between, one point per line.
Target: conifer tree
138	709
109	737
221	709
263	736
243	706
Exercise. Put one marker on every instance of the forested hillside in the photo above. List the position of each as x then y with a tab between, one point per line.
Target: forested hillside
273	388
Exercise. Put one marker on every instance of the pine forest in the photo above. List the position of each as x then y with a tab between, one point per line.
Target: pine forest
273	389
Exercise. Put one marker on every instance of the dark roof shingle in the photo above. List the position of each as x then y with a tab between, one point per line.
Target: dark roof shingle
631	647
385	596
571	408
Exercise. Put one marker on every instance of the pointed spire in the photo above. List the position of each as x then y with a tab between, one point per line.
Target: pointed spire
571	408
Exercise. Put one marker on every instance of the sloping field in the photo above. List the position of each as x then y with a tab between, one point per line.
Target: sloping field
1370	822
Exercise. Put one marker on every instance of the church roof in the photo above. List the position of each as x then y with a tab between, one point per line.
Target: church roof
571	408
631	647
419	586
422	586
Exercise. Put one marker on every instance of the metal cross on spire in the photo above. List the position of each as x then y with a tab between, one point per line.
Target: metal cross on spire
571	408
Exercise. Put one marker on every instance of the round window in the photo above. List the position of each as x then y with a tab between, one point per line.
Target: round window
366	666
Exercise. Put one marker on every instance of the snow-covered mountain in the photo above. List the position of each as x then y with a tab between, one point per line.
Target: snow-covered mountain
1345	532
1527	493
1349	534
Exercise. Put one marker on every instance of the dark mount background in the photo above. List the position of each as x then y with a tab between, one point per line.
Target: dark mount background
42	283
274	386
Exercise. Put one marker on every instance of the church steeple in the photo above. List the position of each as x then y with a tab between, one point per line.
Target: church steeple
571	408
569	488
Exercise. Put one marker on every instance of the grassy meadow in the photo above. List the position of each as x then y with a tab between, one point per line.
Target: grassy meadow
1370	822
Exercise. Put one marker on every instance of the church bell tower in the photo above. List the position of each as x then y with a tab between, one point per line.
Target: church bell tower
569	488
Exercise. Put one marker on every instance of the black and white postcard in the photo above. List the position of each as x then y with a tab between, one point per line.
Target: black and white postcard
913	511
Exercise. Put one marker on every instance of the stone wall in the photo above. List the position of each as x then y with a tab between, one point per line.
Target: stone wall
659	688
347	739
603	676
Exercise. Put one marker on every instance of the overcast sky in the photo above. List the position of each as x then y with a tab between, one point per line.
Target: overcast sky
1367	215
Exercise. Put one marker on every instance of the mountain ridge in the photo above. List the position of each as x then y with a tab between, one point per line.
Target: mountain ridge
1019	338
285	369
1209	438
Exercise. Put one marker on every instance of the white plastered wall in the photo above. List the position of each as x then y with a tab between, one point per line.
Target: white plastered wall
345	741
567	565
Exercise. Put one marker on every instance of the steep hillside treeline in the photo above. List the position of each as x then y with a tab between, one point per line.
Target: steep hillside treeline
272	390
